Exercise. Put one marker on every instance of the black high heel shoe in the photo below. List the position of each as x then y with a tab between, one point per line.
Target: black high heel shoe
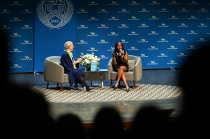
114	88
89	88
128	89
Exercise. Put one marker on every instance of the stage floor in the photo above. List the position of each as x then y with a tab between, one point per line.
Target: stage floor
87	110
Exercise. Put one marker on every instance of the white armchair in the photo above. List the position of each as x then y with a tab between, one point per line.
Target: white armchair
135	70
54	72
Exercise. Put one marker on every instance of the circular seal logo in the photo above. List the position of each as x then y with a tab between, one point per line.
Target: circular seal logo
55	13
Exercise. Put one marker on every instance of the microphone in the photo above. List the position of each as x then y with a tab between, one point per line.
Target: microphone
122	52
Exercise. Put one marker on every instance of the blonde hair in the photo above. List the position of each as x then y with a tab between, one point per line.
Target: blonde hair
67	44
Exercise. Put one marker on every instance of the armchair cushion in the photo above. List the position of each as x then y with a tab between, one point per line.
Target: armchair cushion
131	64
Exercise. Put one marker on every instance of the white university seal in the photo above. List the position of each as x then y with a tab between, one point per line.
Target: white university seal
55	13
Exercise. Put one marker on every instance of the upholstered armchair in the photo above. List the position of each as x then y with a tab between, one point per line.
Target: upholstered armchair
134	74
54	72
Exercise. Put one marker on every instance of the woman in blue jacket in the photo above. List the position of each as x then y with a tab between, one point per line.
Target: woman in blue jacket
75	75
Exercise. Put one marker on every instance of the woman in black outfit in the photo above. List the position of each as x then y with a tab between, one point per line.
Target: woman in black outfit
120	64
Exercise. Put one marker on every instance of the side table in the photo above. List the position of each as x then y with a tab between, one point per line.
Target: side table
96	75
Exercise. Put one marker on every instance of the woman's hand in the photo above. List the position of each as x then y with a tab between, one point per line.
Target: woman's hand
122	52
79	60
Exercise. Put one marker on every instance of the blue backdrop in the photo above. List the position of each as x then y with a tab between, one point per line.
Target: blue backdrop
162	33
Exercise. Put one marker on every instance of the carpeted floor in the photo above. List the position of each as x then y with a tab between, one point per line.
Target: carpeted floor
107	94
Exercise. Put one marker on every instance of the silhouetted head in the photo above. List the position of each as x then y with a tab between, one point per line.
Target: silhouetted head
4	57
70	126
194	80
149	122
108	124
27	111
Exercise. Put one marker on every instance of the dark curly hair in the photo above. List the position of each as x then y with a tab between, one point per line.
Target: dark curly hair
115	46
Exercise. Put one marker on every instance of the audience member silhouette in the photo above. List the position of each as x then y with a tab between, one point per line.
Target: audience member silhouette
194	78
107	124
27	114
4	57
149	122
69	126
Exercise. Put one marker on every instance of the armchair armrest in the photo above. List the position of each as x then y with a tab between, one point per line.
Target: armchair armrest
110	69
138	69
53	72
